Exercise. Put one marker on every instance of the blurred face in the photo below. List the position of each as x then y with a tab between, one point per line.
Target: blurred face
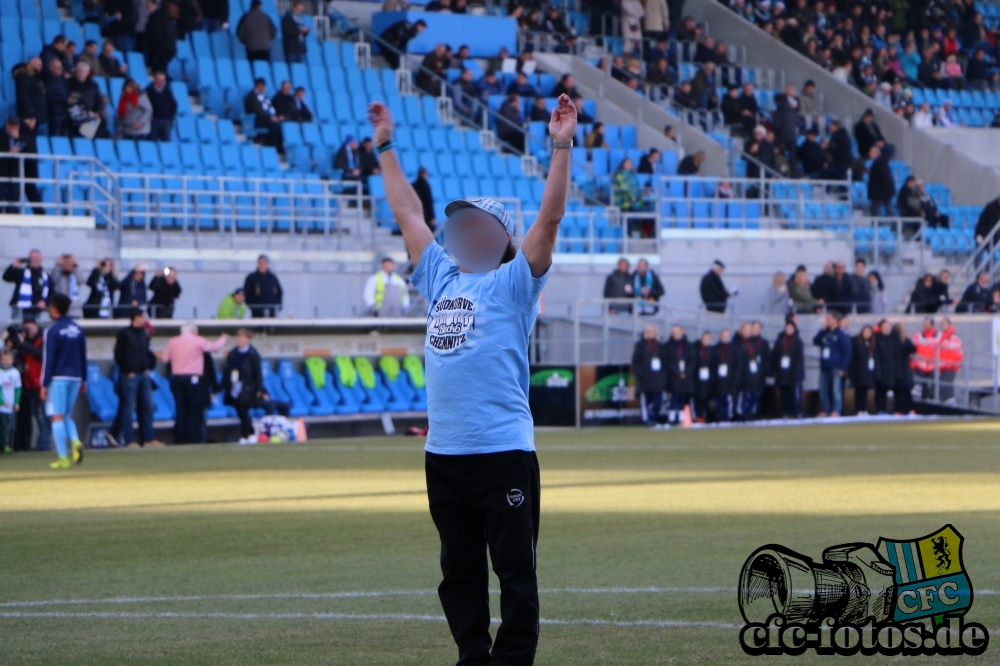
160	80
35	259
476	239
388	266
56	68
108	49
650	333
240	297
944	277
642	266
984	280
286	88
31	329
706	338
139	320
755	329
725	336
242	339
677	332
263	265
622	266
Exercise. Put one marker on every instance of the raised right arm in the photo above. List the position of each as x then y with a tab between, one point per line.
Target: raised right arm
403	199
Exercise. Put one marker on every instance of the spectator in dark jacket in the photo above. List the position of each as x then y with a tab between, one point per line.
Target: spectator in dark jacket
294	32
423	189
649	369
84	92
840	148
57	99
368	159
32	101
731	113
714	293
924	297
243	385
706	359
256	30
788	366
303	113
862	372
214	15
835	361
257	104
867	133
132	293
881	184
679	357
785	121
347	160
398	36
729	364
988	218
511	132
263	291
813	160
31	286
161	36
284	102
134	360
110	65
164	104
166	290
977	295
691	164
619	285
103	285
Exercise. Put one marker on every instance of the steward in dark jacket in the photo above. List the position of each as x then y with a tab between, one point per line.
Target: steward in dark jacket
132	355
730	361
649	365
881	184
788	366
705	358
862	372
31	97
650	373
681	363
243	384
757	363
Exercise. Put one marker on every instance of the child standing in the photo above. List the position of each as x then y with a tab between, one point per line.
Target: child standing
10	398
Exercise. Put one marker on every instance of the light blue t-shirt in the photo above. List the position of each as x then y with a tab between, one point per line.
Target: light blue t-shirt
477	354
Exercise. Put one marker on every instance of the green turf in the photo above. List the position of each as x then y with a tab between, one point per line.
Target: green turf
621	508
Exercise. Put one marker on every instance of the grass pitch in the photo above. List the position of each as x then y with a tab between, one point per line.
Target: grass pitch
324	552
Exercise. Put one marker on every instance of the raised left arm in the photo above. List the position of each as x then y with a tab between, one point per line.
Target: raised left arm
540	241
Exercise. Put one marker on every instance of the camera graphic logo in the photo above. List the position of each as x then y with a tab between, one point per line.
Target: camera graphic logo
896	597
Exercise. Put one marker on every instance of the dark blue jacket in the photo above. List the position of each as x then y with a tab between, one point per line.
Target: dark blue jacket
835	349
64	354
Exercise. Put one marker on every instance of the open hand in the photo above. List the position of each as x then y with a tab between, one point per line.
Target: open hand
381	119
562	126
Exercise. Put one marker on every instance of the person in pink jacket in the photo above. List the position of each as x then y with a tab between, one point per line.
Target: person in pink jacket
186	356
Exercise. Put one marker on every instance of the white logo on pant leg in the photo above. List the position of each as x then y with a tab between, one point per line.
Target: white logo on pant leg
515	497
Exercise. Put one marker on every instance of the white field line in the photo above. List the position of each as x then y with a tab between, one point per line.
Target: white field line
352	595
362	617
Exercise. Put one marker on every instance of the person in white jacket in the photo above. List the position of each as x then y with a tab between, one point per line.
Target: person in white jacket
922	117
632	15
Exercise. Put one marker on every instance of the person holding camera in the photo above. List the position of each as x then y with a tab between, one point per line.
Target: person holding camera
165	290
27	340
103	285
31	290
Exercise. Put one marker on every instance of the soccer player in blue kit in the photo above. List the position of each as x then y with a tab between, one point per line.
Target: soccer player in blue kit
482	474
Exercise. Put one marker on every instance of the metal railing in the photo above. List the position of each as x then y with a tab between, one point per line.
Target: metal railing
983	259
696	202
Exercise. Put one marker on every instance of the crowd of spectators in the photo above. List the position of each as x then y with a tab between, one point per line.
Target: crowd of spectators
260	296
886	49
861	292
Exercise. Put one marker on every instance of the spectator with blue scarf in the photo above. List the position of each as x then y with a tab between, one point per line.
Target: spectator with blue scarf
647	287
259	105
293	33
31	290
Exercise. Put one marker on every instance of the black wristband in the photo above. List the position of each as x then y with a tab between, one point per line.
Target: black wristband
382	147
